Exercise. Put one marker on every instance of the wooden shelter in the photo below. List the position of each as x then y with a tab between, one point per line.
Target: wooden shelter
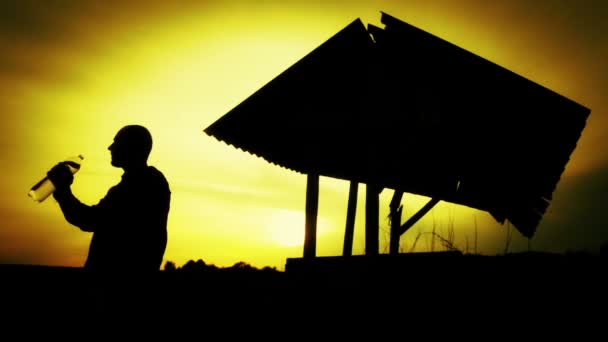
399	108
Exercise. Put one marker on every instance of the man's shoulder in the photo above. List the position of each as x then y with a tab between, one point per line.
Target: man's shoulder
156	176
152	170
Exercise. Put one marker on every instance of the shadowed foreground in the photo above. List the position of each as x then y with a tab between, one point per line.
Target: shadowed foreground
325	293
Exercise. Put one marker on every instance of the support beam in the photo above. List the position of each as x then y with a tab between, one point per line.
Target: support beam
417	216
395	215
350	219
372	217
312	208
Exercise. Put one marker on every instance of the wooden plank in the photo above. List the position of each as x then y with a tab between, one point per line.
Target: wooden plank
312	208
350	219
417	216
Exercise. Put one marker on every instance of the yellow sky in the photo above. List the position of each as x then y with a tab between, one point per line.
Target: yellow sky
71	76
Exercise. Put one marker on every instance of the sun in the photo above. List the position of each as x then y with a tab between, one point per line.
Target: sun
286	227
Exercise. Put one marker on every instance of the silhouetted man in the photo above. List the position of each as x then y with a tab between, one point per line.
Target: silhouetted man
129	224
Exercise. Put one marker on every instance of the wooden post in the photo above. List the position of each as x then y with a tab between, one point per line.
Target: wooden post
395	212
312	206
350	219
372	216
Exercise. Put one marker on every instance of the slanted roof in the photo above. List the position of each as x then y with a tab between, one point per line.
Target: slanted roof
409	111
307	119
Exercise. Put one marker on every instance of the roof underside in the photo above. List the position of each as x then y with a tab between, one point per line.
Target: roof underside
403	109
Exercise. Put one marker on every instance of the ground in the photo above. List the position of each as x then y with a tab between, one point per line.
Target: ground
332	293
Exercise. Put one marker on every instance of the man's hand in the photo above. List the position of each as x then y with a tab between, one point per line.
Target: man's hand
61	176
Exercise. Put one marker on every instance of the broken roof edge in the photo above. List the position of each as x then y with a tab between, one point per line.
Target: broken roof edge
388	19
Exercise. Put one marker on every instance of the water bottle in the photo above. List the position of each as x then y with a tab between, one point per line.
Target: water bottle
44	188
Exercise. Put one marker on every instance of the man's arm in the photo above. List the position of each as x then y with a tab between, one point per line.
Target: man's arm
74	211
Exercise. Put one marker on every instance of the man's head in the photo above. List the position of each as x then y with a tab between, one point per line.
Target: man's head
131	146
